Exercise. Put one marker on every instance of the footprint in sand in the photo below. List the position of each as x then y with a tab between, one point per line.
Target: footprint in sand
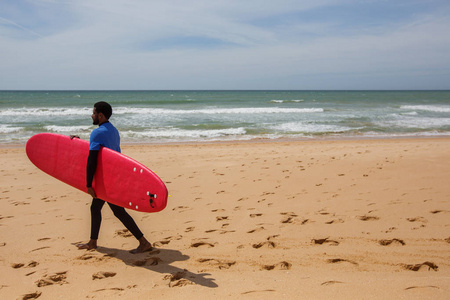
284	265
48	199
305	221
17	203
181	208
339	260
255	215
417	219
201	244
34	295
267	193
178	279
124	233
31	264
86	256
268	244
167	240
256	230
102	275
289	217
222	218
160	243
334	221
325	240
96	256
221	264
151	261
417	267
189	229
57	278
368	218
390	242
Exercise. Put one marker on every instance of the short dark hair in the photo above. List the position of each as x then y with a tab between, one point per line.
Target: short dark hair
104	108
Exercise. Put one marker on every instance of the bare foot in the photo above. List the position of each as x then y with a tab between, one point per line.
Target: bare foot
144	246
92	244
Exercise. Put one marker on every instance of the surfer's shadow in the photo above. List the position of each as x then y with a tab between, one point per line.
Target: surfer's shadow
159	260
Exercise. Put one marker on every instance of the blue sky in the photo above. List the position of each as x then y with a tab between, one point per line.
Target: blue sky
224	44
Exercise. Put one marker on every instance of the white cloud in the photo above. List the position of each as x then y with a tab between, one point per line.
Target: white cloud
133	45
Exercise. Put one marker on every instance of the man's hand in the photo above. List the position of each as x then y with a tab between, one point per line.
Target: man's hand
74	137
91	192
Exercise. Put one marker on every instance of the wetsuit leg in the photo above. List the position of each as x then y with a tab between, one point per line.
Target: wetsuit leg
96	217
126	220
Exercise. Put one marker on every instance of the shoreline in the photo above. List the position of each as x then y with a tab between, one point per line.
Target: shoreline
265	140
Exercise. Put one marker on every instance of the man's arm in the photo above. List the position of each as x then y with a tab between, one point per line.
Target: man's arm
90	171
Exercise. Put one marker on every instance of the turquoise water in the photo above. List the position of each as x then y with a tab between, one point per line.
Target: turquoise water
190	116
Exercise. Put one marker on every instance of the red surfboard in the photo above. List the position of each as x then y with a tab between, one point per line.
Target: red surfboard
118	179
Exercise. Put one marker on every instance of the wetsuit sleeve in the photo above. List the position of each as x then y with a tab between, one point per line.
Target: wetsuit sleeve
91	167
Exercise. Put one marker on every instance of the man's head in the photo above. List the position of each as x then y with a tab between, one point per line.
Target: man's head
101	113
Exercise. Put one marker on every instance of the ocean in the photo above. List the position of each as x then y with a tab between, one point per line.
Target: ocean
202	116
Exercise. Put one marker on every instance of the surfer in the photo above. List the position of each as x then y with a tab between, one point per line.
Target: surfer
106	135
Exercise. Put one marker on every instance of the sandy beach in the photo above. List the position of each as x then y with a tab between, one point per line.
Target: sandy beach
344	219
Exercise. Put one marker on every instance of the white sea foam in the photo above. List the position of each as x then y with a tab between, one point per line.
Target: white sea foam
43	111
310	128
176	133
74	129
431	108
421	123
412	113
9	129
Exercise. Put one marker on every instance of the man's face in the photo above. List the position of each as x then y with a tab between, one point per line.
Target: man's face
94	116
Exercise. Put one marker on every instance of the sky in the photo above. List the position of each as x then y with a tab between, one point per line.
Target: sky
224	44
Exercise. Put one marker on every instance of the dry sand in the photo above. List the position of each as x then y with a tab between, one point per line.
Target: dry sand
362	219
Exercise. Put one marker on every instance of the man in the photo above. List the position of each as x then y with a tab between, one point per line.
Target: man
106	135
